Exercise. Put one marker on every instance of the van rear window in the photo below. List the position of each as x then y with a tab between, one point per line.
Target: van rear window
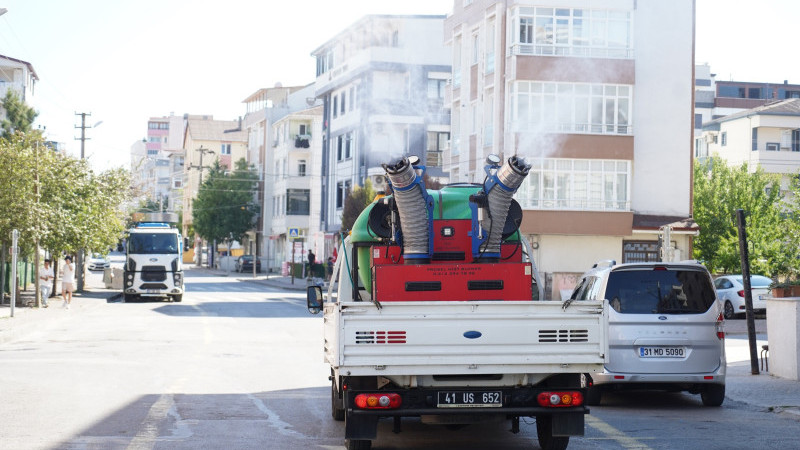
660	291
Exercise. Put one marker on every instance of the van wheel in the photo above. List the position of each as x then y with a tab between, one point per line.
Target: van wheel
358	444
544	431
729	313
337	404
593	396
713	395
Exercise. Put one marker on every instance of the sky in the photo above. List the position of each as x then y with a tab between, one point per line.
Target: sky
125	61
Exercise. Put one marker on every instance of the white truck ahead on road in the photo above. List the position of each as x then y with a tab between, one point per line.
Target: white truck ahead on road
153	265
427	317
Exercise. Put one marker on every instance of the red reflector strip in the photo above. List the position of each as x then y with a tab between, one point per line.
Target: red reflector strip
708	377
619	377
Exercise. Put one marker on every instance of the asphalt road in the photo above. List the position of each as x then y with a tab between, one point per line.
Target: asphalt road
238	365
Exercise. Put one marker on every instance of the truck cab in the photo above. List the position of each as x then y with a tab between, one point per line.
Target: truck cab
153	266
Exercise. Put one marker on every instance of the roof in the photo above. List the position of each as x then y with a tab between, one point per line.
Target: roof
30	66
368	18
216	130
653	222
788	107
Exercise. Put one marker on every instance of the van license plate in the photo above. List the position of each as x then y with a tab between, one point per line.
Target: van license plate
459	399
662	352
151	291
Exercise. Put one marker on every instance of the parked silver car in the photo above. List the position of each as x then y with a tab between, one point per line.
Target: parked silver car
730	292
665	329
98	262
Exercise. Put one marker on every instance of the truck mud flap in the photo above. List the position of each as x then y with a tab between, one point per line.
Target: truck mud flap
360	427
569	424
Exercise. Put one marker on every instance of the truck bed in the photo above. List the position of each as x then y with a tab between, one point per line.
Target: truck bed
465	338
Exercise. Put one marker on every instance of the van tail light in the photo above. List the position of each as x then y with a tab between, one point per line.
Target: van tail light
378	401
560	399
720	325
740	293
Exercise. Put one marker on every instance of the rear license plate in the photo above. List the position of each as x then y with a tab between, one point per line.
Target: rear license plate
662	352
460	399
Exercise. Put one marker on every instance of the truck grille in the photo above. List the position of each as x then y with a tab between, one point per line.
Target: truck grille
154	273
563	335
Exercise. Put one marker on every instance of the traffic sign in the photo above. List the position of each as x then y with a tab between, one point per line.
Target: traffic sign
294	232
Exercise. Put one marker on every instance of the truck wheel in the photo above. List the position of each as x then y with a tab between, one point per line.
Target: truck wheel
593	396
713	395
177	298
337	404
544	431
358	444
129	298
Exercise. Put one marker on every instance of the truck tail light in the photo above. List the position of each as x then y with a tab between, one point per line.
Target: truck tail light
379	401
560	399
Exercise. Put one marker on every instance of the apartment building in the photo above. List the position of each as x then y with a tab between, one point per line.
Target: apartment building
18	76
597	95
767	136
296	195
715	99
263	107
382	83
157	162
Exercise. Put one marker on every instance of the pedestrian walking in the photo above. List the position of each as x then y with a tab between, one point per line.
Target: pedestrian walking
46	277
329	268
311	260
67	281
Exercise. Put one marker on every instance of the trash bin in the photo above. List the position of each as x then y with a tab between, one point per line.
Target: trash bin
783	331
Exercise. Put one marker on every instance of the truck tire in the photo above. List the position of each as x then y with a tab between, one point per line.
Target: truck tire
713	395
177	298
337	403
358	444
544	431
129	298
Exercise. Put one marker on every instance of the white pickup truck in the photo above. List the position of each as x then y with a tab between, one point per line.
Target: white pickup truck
452	341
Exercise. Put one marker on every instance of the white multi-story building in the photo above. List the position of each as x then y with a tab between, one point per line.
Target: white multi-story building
18	76
382	82
157	162
597	96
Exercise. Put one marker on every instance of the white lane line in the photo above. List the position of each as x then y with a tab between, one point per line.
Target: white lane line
614	434
274	420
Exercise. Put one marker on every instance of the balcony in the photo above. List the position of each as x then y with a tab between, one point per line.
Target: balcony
575	51
302	141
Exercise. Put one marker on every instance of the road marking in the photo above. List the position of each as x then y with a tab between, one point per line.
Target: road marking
145	439
274	420
614	434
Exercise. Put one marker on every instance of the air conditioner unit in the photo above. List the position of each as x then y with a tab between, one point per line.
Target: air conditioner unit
379	182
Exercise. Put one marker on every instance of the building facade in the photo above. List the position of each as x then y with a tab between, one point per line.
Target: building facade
382	84
598	97
18	76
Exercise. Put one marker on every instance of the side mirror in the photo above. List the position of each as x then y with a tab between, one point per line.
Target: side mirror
314	299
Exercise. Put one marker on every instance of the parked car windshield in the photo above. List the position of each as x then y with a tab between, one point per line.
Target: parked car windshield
756	281
660	291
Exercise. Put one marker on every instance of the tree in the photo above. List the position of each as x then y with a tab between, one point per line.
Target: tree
719	190
19	116
355	202
225	206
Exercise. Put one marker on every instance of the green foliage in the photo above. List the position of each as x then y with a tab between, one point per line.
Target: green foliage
355	202
225	206
719	191
56	199
19	116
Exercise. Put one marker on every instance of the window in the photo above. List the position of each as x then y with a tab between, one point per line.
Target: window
572	32
342	191
754	93
571	107
773	146
490	31
343	104
335	106
755	139
698	121
352	97
796	140
436	89
576	184
225	149
724	138
395	38
437	142
297	202
302	129
475	48
158	125
301	167
457	62
344	146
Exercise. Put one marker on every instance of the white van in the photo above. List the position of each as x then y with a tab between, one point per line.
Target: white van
665	329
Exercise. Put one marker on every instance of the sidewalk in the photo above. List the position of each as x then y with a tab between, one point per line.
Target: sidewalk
28	318
269	279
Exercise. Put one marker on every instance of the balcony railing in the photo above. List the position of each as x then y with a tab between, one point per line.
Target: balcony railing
578	51
580	128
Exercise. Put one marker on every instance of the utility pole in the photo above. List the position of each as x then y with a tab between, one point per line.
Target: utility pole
83	138
198	243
